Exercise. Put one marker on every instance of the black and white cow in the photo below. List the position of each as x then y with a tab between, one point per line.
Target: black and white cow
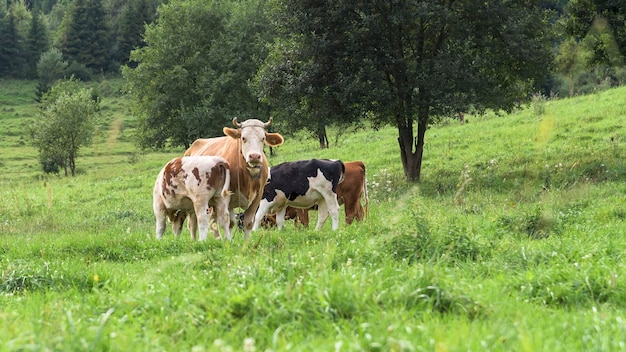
302	184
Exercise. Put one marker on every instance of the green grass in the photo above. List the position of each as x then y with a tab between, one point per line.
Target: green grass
514	240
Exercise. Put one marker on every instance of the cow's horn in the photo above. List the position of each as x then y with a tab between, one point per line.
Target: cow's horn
237	124
269	122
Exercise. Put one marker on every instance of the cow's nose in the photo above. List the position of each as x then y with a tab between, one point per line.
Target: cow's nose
255	158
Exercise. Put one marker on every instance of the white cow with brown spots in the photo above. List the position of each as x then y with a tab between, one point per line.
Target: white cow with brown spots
189	186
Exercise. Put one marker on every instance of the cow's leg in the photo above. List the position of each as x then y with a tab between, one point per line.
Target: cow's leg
177	224
303	215
223	217
260	213
192	224
160	223
202	218
322	214
332	208
359	211
350	210
280	218
213	225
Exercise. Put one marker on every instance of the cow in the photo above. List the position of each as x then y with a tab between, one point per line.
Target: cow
302	184
243	150
349	193
188	186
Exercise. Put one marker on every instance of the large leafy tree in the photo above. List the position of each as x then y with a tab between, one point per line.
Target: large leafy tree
303	77
192	76
408	61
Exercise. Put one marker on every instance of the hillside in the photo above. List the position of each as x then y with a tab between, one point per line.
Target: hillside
514	240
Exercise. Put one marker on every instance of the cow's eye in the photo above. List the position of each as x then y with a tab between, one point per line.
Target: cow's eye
244	139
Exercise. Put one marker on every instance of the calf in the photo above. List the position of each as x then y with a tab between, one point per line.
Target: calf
349	193
302	184
188	186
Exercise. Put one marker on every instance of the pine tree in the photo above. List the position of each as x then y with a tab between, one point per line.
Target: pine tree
11	59
130	31
38	42
86	35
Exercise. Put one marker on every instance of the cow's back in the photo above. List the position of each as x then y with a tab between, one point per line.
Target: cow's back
220	146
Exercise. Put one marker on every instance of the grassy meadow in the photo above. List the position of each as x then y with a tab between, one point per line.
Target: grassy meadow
513	241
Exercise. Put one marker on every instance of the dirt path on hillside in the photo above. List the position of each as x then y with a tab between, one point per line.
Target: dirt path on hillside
115	131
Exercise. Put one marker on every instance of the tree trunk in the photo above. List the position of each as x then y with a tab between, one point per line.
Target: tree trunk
72	162
322	137
412	149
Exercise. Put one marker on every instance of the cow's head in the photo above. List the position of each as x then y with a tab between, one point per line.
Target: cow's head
253	135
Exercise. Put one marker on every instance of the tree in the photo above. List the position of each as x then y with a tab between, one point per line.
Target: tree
85	35
63	124
50	68
11	51
192	76
300	80
37	43
409	61
130	27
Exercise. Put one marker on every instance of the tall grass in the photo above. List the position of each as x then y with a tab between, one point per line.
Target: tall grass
513	240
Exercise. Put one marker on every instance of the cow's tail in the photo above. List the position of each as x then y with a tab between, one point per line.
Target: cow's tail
367	199
225	170
343	172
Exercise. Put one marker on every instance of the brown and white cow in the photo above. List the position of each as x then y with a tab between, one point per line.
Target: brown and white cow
188	186
243	150
302	184
349	193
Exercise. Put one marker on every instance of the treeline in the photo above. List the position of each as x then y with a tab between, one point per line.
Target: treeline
91	36
97	36
191	65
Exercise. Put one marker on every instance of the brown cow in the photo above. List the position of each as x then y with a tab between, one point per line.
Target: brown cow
188	186
349	193
243	150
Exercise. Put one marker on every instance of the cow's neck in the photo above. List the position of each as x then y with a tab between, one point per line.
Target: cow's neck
254	171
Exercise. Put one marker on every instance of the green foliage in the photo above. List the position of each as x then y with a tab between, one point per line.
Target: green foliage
135	14
192	76
85	37
404	63
11	51
50	68
38	42
64	123
601	21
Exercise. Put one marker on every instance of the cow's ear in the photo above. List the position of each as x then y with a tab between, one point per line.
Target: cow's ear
231	132
273	139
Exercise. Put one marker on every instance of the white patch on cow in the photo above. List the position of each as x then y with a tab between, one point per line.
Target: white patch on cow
252	142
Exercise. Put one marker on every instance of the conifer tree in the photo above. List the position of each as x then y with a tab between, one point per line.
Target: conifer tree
85	39
135	15
11	59
37	42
